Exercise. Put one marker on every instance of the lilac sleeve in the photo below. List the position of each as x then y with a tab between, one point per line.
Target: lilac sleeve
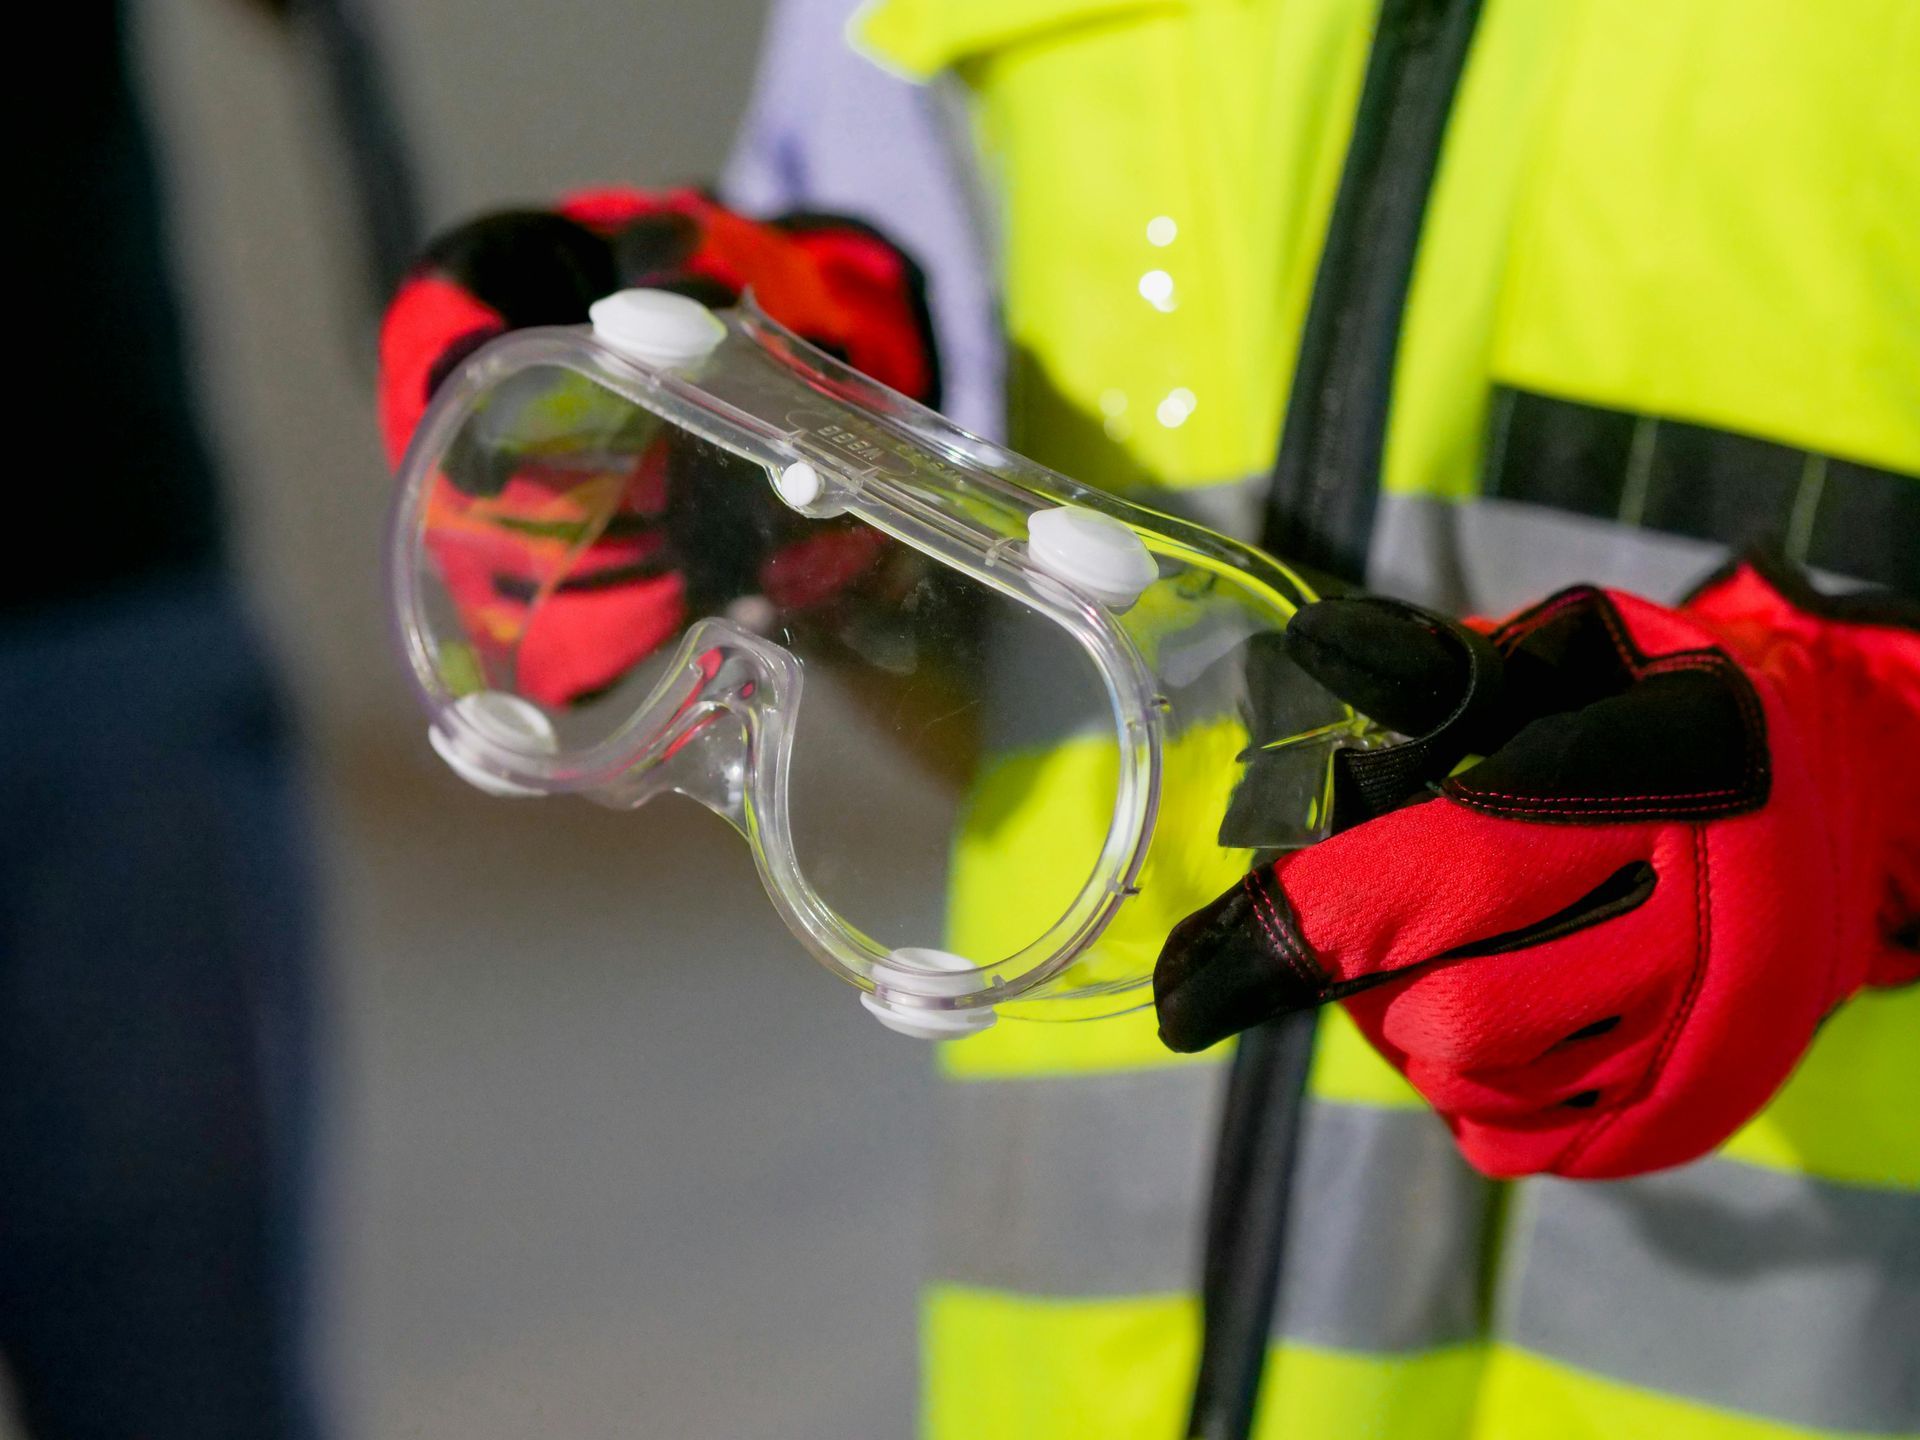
827	129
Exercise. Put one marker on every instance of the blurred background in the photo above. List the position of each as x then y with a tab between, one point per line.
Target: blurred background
583	1173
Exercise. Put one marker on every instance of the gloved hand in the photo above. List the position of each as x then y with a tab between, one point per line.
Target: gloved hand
1599	950
582	580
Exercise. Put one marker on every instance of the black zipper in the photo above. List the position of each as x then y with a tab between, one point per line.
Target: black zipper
1326	480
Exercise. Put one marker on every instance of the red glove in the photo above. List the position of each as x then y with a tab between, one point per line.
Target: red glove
580	581
1601	949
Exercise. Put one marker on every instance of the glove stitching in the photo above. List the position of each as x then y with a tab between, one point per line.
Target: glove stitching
1616	632
1743	694
1685	801
1714	659
1271	921
1308	971
1575	804
1521	626
1527	811
1703	941
1248	884
1639	666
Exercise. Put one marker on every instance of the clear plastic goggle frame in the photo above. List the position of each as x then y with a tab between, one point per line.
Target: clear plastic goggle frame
1174	622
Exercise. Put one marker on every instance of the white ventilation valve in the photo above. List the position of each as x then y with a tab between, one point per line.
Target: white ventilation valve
656	326
1096	554
928	972
505	719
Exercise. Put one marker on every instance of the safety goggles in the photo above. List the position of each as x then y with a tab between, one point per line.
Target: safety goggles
680	551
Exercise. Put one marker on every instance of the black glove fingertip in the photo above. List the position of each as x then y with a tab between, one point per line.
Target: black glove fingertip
1405	667
1222	971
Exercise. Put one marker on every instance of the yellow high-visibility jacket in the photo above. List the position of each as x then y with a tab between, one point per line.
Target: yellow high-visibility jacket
1519	292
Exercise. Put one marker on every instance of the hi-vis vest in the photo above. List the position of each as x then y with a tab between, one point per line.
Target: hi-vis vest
1560	290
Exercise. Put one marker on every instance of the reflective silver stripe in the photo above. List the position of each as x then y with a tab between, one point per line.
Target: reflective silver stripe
1385	1243
1076	1184
1095	1185
1773	1294
1492	556
1232	507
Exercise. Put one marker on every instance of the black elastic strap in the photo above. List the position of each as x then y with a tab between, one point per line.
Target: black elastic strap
1247	1220
1320	511
1370	783
1321	505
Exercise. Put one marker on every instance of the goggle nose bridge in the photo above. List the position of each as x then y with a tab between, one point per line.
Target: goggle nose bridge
730	735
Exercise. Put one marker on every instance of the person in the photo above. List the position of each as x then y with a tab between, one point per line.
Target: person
1468	305
156	1067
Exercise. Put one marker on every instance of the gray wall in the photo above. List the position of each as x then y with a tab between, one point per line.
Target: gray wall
505	102
607	1155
